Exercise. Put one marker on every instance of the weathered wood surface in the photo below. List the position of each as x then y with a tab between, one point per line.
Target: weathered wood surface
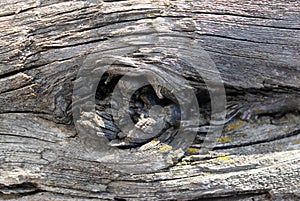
255	46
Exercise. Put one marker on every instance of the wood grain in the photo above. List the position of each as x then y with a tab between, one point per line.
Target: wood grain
255	47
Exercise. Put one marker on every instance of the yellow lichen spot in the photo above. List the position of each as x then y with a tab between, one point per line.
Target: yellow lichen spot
150	15
222	158
225	159
234	125
154	141
182	163
257	110
223	139
26	76
297	142
223	154
167	3
165	148
207	174
32	94
192	150
278	146
193	163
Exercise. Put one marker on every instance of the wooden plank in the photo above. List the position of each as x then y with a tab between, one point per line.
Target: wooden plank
254	46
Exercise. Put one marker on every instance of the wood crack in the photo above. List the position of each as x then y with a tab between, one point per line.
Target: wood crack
28	137
46	44
19	190
237	39
271	139
234	14
46	47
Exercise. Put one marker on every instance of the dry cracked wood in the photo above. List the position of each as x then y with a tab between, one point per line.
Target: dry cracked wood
44	44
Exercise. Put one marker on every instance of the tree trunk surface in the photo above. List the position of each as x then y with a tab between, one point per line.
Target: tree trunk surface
55	147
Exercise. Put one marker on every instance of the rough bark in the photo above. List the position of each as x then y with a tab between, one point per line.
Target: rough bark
255	47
